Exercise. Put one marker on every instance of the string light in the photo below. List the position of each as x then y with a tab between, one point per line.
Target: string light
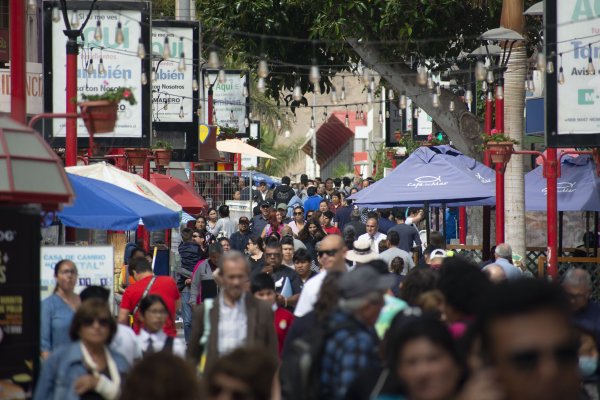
153	75
402	102
391	94
144	79
333	95
222	78
435	100
195	85
590	67
246	122
490	97
357	115
438	89
245	90
263	69
181	114
213	59
295	118
119	37
380	117
561	73
181	64
499	92
469	96
231	116
387	114
166	49
55	14
314	75
541	62
141	49
297	93
480	71
430	84
451	107
490	77
366	76
362	114
422	75
74	20
325	115
346	119
98	32
369	96
90	67
343	92
101	69
372	84
484	86
550	65
278	123
287	133
416	113
261	85
312	122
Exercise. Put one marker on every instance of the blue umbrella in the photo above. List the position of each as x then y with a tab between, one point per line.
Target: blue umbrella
101	205
438	175
578	186
258	177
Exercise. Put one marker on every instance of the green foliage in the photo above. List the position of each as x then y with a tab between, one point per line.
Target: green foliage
286	153
342	170
113	94
498	137
410	144
162	144
381	161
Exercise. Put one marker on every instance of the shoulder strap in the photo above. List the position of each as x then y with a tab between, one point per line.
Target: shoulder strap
168	347
137	306
208	305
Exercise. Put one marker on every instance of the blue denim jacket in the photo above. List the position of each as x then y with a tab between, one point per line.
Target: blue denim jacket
56	320
61	370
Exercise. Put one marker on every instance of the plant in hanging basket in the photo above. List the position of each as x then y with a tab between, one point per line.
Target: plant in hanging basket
253	142
499	146
163	152
113	95
100	110
136	157
226	132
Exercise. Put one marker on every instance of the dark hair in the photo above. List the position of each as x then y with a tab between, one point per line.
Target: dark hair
202	217
399	268
137	250
287	240
139	265
304	234
92	309
302	255
59	264
324	201
385	213
436	239
412	210
150	300
373	214
161	376
393	238
95	292
337	182
253	366
462	283
257	240
304	178
418	281
329	214
224	211
273	237
223	239
261	281
285	180
209	210
518	298
201	232
380	266
346	181
311	191
428	249
399	213
215	248
298	207
329	296
273	244
186	234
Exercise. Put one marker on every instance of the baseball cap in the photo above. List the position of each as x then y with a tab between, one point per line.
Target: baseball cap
282	206
437	253
363	280
243	220
265	204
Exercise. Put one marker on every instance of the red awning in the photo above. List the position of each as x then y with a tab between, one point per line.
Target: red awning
183	193
332	136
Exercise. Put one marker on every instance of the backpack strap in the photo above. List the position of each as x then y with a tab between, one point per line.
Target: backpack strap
137	306
168	347
208	305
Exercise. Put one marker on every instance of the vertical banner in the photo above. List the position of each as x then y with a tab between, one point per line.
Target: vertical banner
573	96
230	104
19	302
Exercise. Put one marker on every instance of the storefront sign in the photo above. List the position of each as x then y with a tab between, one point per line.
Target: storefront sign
228	98
34	87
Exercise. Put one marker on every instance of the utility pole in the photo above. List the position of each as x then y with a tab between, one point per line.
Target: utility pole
18	46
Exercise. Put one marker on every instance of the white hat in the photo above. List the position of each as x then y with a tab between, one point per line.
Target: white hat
437	253
362	252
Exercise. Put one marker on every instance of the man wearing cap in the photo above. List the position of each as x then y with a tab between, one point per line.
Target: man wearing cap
239	239
224	226
352	346
332	256
282	209
261	220
372	235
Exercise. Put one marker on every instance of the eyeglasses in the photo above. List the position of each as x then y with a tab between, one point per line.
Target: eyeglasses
68	272
529	360
298	213
330	253
103	322
273	255
195	236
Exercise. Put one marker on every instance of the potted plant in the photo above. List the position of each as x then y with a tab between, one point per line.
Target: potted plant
226	132
100	110
500	147
163	152
136	157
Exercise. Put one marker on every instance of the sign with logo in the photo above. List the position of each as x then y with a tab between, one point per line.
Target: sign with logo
95	266
573	89
34	87
563	187
424	181
103	64
230	105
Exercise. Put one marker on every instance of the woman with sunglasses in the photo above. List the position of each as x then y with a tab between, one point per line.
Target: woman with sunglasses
58	309
86	368
153	316
298	222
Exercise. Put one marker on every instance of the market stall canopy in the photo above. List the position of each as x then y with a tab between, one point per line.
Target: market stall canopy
125	180
183	193
101	205
437	175
236	146
258	177
578	186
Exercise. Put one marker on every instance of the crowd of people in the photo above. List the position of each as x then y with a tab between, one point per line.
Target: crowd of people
313	298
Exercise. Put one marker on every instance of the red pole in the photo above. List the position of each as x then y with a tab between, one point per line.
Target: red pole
18	70
552	212
462	224
142	231
71	124
499	171
239	162
486	160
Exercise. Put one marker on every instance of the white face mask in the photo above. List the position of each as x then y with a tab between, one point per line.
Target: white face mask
588	365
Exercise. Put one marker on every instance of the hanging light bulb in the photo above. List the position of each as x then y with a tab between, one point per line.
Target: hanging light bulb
369	96
357	115
98	32
469	96
435	100
181	114
144	79
231	116
278	123
250	114
416	113
119	37
297	93
316	88
590	67
550	67
402	102
263	69
195	84
261	85
312	122
499	92
362	115
527	84
167	105
32	6
451	107
343	92
490	77
314	75
561	76
245	90
324	115
74	20
287	133
541	62
153	75
333	95
422	75
372	84
387	114
380	117
480	71
484	86
438	89
295	118
166	49
246	122
430	83
347	120
141	49
199	110
101	69
181	65
214	114
55	14
531	85
213	59
490	97
391	94
222	78
90	67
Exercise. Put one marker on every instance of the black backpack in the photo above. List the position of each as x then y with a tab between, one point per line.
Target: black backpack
300	372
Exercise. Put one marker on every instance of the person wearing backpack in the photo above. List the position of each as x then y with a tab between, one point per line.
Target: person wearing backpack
152	339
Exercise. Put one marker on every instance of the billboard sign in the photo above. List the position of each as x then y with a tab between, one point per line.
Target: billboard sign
230	105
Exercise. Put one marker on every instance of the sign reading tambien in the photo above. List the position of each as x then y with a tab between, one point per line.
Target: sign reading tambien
573	88
230	105
172	96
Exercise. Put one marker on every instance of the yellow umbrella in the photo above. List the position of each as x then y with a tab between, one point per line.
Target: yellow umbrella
236	146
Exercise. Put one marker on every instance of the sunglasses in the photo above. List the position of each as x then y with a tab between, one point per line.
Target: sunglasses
529	360
273	255
298	213
103	322
330	253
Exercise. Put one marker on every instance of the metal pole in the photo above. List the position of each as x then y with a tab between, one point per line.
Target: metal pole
313	140
486	218
18	70
499	169
488	113
462	224
551	177
71	123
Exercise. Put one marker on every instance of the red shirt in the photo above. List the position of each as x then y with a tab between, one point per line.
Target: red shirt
283	320
165	287
332	230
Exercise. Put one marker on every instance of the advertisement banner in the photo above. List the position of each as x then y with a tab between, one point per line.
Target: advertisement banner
228	98
95	266
19	302
573	97
172	95
34	88
121	68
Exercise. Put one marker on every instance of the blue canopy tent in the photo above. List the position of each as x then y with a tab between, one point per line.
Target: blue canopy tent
258	177
101	205
434	175
578	186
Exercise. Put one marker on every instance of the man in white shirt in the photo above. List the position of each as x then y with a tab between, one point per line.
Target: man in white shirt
332	255
372	234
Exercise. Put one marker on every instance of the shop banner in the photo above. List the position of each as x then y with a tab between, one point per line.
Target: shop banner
229	102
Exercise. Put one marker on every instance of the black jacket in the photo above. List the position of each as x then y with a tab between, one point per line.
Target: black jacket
283	194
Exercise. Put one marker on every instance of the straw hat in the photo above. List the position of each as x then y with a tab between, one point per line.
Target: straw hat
362	252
